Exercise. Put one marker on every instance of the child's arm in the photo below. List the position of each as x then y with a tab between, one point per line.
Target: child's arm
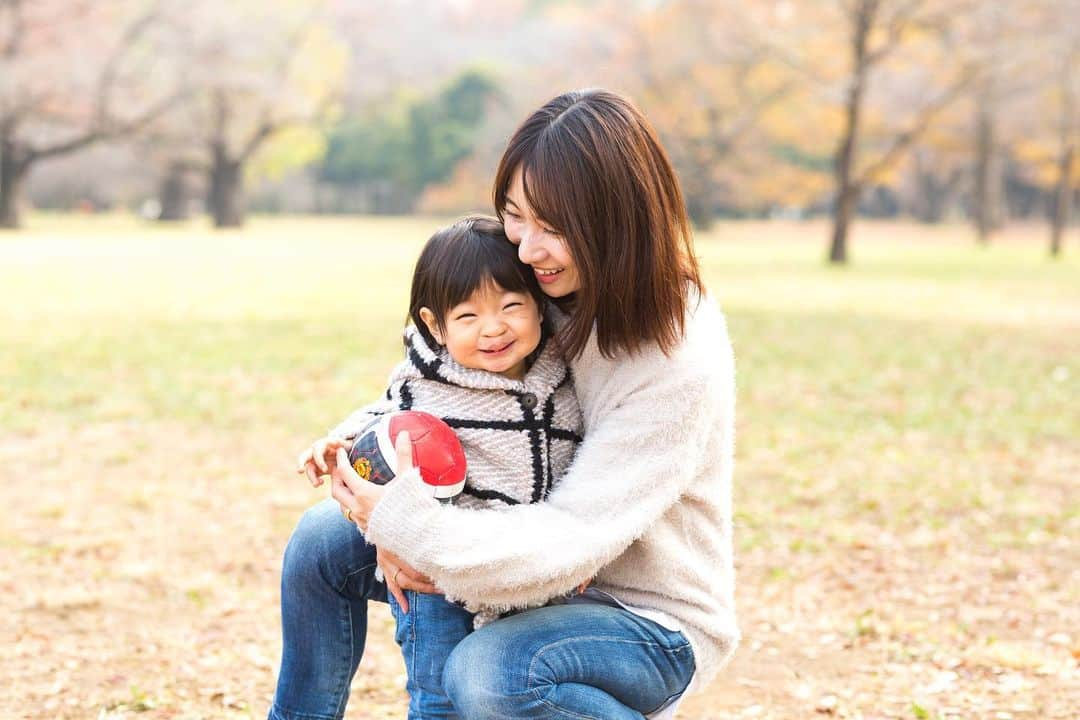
351	426
319	459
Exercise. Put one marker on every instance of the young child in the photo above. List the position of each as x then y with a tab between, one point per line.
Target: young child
480	356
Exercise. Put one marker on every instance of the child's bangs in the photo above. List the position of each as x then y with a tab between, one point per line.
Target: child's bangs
483	262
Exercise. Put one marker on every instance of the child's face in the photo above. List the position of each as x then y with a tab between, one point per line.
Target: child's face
494	330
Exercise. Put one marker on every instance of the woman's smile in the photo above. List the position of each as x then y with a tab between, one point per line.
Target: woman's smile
548	276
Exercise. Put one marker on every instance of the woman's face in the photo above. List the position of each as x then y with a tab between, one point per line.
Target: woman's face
538	244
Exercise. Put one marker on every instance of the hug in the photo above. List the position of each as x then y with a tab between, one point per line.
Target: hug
586	571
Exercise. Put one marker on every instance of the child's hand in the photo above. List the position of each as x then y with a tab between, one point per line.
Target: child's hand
581	588
319	459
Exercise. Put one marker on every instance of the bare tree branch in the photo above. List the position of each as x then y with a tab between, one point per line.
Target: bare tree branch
111	69
894	31
755	107
924	120
13	42
262	132
110	130
270	125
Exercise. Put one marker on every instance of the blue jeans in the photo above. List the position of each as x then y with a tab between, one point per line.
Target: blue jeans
327	579
565	661
427	634
568	661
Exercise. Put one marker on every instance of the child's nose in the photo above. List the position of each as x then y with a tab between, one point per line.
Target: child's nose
494	327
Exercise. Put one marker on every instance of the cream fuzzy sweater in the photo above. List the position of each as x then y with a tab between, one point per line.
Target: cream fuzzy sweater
644	509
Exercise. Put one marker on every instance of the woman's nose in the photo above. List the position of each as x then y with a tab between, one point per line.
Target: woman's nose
530	250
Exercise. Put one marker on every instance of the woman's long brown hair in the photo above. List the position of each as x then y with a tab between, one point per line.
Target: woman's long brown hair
593	168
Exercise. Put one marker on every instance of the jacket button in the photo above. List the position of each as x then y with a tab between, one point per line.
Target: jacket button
528	401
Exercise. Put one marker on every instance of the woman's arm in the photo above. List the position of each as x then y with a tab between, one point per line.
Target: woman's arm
632	467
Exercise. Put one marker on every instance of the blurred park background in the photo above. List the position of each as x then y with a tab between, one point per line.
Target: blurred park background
211	211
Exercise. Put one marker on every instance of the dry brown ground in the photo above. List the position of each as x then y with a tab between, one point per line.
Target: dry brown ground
150	590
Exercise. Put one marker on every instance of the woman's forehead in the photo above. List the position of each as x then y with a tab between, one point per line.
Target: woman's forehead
522	193
515	193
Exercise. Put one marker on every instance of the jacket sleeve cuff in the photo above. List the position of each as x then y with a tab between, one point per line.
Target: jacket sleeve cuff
404	519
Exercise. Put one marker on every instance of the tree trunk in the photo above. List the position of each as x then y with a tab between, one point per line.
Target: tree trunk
988	177
13	171
934	196
698	195
845	210
1066	157
847	189
174	194
1062	200
226	198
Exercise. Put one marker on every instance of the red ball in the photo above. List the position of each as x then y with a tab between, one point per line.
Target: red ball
437	451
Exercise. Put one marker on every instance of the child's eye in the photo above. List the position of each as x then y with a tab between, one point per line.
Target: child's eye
512	305
465	316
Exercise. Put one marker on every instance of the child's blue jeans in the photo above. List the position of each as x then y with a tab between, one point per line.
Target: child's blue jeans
427	634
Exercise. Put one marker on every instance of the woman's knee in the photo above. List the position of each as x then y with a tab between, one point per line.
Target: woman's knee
486	675
469	678
324	549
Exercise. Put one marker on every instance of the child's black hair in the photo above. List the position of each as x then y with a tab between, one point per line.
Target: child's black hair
461	259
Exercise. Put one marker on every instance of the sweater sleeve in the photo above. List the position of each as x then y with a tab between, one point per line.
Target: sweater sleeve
358	419
633	466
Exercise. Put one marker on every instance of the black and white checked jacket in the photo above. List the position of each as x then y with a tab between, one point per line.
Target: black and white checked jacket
519	436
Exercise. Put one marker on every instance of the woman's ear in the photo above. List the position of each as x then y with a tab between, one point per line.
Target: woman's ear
432	324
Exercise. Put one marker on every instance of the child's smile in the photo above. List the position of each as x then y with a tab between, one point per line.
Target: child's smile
498	350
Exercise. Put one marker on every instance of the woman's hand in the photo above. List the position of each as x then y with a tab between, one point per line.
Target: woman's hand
318	459
358	498
401	576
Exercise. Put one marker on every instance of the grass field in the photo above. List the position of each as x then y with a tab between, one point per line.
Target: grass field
907	484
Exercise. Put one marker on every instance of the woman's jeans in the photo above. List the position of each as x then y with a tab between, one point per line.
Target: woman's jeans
564	661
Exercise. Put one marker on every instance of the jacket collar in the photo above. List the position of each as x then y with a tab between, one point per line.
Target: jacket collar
546	373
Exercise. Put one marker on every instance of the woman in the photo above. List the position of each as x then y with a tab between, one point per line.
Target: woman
644	512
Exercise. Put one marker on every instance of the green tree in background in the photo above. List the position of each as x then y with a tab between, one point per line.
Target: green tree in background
393	154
